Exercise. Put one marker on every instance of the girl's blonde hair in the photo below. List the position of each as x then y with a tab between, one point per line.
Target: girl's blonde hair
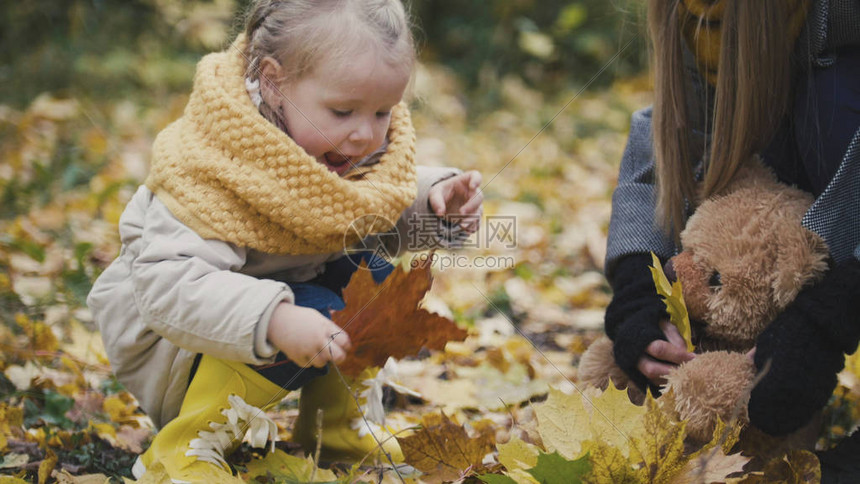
751	98
301	34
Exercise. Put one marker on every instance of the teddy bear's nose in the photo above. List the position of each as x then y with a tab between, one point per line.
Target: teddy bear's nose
669	270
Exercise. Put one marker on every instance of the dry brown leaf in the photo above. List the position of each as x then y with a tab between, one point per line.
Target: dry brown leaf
63	477
714	466
795	466
443	449
385	320
132	438
14	460
123	436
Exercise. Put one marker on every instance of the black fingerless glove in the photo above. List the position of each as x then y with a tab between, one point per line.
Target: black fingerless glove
633	316
805	344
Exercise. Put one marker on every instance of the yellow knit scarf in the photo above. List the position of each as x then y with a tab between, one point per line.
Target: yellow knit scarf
229	174
700	24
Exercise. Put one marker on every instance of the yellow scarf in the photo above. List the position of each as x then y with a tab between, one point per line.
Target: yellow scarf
700	24
229	174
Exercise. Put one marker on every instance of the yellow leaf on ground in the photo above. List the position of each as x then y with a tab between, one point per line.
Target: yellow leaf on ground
122	408
521	476
615	418
517	454
41	336
63	477
852	363
608	464
12	480
659	443
155	474
444	449
47	466
85	345
37	435
566	421
563	423
285	466
10	418
725	436
493	389
625	442
105	432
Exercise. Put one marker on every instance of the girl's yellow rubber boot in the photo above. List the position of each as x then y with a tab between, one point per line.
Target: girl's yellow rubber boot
342	437
225	401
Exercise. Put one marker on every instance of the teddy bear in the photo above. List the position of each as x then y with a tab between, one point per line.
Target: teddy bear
744	258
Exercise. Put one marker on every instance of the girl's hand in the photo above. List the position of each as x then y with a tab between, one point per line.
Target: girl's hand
459	196
307	337
663	356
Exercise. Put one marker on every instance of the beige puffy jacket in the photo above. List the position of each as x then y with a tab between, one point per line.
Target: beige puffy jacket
171	294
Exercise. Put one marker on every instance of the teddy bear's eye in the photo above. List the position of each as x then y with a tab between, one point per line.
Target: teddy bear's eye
716	280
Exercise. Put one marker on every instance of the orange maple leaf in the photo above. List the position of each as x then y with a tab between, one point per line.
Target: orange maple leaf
443	449
384	320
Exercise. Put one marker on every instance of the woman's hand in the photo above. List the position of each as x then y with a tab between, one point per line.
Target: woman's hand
662	356
633	319
458	197
307	337
805	346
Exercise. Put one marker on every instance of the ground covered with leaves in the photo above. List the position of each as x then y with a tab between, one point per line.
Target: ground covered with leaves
500	404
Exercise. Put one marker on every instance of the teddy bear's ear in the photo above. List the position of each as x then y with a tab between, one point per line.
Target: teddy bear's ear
801	260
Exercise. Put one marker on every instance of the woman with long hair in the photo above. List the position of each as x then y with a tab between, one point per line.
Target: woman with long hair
734	79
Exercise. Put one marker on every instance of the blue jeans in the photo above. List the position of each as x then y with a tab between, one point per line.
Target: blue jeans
323	294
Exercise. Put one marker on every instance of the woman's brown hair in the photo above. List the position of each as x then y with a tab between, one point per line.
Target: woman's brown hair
751	94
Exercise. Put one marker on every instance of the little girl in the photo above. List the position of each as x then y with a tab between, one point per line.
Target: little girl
294	139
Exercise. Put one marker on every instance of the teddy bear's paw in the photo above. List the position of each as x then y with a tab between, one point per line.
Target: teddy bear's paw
711	386
597	365
597	368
